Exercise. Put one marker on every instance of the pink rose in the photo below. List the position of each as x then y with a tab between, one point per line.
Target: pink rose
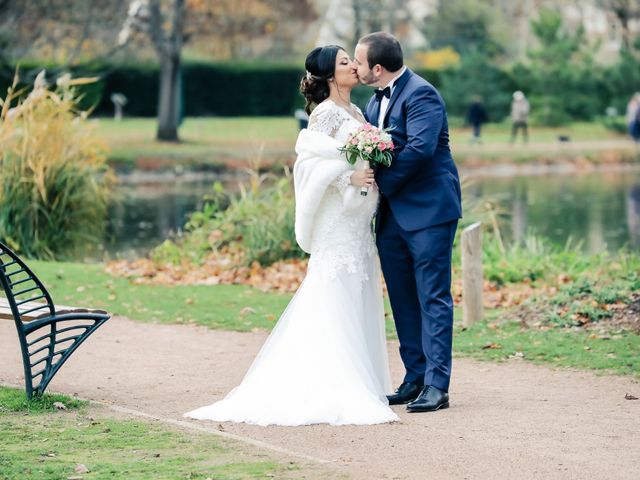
367	127
375	138
382	146
390	145
354	141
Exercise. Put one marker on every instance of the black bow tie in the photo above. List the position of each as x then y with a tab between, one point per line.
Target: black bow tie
382	92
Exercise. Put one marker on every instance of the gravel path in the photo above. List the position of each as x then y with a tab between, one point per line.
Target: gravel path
511	420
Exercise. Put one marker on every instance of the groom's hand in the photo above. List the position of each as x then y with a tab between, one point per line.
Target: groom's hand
362	178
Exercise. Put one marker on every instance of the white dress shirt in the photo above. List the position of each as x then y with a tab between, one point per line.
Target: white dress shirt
384	103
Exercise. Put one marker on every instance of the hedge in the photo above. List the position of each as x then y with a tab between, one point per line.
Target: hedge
223	89
268	89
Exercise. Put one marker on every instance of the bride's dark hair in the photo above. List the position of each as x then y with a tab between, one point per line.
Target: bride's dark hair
321	66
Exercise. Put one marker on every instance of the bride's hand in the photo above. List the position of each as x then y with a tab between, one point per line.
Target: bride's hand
362	178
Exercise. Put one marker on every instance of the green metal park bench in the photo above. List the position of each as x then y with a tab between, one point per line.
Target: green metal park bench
48	333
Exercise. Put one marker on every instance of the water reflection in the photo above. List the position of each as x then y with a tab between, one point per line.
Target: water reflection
599	211
144	215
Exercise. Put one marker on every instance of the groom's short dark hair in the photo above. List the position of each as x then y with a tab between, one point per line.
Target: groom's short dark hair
384	49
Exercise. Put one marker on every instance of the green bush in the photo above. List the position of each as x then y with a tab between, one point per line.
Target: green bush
241	89
548	111
256	226
477	76
623	80
228	89
617	123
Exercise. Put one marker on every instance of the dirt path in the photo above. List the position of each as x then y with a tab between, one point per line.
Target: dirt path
512	420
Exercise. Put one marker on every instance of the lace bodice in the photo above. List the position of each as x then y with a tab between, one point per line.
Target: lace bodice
334	120
342	238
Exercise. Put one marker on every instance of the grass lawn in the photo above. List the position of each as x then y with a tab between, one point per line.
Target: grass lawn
220	306
204	140
13	400
215	141
46	444
488	340
224	306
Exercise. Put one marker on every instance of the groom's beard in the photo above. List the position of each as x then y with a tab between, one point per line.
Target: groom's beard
368	79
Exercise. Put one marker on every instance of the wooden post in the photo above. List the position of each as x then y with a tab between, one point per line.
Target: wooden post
472	310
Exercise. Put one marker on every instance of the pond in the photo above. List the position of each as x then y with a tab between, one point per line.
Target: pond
597	211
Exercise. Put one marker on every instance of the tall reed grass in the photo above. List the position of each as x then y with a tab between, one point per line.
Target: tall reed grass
54	181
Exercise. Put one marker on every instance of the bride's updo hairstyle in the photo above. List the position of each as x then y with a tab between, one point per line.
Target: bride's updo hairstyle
321	66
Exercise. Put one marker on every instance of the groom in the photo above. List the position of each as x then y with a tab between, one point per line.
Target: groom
417	218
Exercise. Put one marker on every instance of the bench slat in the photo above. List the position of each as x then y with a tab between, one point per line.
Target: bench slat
37	308
18	282
31	301
6	314
26	290
15	272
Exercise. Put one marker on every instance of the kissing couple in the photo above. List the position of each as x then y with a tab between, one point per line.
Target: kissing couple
326	359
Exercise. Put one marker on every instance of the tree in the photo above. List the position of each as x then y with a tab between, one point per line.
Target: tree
65	31
348	20
564	79
249	28
477	77
469	26
170	24
625	11
167	34
557	44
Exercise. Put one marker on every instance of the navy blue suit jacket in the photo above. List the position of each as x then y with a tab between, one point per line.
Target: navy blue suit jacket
422	184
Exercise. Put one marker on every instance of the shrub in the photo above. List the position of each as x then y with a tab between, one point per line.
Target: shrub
548	111
570	86
615	123
54	182
477	76
256	226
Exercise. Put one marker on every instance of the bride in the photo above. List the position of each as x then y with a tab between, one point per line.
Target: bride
326	360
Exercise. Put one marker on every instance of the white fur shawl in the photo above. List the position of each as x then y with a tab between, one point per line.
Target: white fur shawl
319	163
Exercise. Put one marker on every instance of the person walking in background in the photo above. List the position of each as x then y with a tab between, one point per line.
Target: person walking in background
519	116
633	117
476	116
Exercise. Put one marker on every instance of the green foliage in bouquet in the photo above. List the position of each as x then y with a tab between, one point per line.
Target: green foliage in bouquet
371	144
54	181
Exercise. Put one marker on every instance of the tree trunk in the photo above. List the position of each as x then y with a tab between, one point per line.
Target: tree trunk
626	34
169	99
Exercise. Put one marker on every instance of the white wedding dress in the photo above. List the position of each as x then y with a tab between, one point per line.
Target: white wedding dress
326	359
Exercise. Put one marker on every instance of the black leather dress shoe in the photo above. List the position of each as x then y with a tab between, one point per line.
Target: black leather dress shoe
404	394
429	400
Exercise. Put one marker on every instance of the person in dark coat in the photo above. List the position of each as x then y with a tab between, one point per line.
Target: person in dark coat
476	116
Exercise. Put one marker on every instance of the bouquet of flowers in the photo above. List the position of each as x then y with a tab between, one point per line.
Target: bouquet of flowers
374	145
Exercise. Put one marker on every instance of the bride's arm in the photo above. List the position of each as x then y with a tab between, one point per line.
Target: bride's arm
326	119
